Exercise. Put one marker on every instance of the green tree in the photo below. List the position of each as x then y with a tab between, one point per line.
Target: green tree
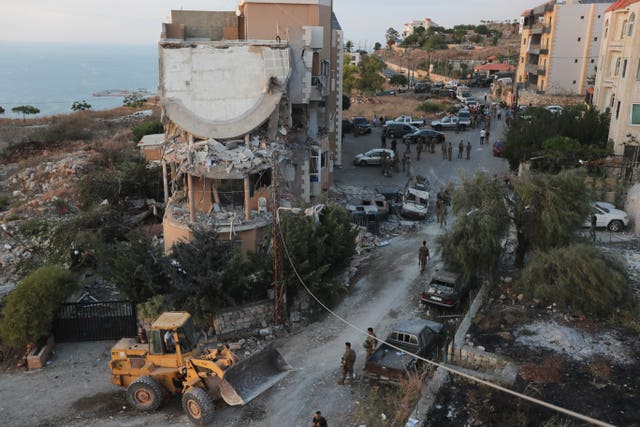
25	110
349	75
482	29
398	80
531	128
473	245
80	105
574	277
546	210
29	310
148	127
346	102
392	36
348	46
133	100
370	79
377	46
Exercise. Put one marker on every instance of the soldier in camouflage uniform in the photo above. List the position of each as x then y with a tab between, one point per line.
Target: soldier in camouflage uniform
348	360
370	343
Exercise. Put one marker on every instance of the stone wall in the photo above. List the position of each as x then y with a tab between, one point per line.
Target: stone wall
474	358
239	319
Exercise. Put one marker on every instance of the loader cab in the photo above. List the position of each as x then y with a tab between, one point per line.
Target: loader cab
172	338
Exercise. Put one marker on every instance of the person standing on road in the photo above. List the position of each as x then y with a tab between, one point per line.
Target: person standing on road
347	362
594	222
409	171
383	140
404	161
468	150
370	343
486	137
483	134
460	149
423	256
318	420
394	145
419	148
450	151
444	151
374	121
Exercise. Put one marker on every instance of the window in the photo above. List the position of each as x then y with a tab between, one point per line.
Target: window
595	39
579	38
575	61
638	71
632	20
624	28
592	61
635	114
624	68
606	28
574	82
617	110
613	100
617	69
582	17
598	16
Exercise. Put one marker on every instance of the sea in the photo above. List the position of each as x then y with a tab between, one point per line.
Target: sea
52	76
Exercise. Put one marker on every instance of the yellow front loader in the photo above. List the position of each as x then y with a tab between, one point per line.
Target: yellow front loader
173	362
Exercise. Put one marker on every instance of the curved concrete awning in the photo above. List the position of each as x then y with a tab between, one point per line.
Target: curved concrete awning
215	92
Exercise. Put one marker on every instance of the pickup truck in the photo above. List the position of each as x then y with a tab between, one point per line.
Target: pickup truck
409	120
451	122
418	336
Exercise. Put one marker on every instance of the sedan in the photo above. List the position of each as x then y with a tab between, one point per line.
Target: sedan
498	148
424	134
372	157
608	217
555	109
361	125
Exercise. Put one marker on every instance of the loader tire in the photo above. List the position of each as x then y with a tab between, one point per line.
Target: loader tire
145	394
198	406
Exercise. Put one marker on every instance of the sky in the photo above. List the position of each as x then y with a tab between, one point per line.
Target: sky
139	21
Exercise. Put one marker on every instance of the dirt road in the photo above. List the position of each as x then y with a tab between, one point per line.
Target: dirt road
75	390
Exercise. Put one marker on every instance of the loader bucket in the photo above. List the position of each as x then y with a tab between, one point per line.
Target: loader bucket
249	378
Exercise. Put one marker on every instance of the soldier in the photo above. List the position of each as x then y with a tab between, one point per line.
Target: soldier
348	360
423	256
460	149
419	148
383	139
444	151
383	162
432	143
404	161
394	145
409	171
486	138
450	151
370	343
468	150
318	420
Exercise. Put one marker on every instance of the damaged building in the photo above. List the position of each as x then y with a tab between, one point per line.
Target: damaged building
248	97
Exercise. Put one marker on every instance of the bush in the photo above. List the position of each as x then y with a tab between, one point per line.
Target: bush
432	107
581	278
149	127
77	127
30	308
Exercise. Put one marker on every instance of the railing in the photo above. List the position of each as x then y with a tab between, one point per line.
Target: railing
94	321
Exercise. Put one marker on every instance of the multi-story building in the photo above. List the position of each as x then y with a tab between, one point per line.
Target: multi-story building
245	93
410	27
559	46
618	79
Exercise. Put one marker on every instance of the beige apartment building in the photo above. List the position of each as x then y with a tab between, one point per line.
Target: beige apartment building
559	46
244	94
410	27
618	79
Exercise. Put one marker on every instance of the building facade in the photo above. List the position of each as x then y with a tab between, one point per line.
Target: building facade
410	27
618	79
250	98
560	42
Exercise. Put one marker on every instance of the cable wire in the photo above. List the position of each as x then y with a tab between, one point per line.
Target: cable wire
439	365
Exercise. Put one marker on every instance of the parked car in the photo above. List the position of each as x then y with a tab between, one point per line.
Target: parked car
417	336
361	125
413	121
450	122
398	130
555	109
451	84
347	126
465	115
385	93
498	148
422	88
471	102
372	157
445	289
424	134
608	217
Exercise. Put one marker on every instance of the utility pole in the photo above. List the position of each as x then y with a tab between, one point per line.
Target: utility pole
278	282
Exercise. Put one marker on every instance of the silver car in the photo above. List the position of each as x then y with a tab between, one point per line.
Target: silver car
372	157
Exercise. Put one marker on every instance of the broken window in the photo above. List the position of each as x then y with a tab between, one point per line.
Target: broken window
259	180
230	191
323	159
314	165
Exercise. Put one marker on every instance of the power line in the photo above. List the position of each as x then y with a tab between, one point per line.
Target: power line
439	365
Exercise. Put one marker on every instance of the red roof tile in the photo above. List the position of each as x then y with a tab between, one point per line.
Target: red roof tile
620	4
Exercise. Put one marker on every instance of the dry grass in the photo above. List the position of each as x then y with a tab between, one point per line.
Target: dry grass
548	372
390	106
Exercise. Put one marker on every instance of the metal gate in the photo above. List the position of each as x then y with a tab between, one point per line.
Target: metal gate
92	321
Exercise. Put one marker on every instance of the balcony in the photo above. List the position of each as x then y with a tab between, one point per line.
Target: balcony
535	69
536	49
539	29
319	89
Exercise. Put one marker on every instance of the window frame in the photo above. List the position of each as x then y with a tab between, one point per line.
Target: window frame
637	105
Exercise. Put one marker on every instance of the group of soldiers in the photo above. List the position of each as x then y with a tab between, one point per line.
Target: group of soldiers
349	355
388	164
447	150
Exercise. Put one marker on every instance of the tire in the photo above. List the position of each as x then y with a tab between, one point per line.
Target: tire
198	406
615	226
363	163
145	394
438	128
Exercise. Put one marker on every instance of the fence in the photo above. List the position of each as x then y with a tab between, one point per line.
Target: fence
95	321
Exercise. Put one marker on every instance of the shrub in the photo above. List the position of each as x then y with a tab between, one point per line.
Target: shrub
30	308
432	107
579	277
149	127
5	202
77	127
